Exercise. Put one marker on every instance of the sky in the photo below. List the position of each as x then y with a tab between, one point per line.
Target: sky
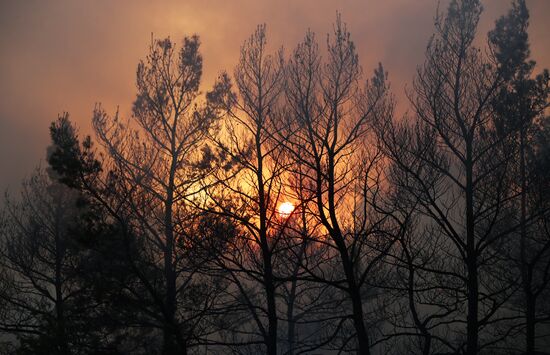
68	55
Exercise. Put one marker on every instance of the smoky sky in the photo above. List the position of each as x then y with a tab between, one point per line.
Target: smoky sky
67	55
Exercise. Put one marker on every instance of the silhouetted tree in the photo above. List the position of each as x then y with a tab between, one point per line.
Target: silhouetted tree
520	105
428	233
152	165
45	302
250	190
328	114
455	164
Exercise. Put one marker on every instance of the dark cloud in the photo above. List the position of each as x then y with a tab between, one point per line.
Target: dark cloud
66	55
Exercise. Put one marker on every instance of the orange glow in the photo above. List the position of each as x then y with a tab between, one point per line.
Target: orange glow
285	209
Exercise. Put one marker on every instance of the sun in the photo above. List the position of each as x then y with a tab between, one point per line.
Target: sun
285	209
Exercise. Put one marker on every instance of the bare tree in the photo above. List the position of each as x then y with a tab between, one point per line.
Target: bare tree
453	162
428	233
153	164
329	116
520	105
424	287
249	192
41	289
310	308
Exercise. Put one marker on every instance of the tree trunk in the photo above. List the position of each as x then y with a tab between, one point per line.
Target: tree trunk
471	258
290	317
359	323
426	336
60	331
170	347
530	320
271	340
472	318
356	300
170	336
354	290
526	272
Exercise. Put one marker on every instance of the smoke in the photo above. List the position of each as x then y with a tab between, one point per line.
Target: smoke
67	55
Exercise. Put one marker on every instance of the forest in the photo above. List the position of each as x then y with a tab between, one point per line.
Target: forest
289	209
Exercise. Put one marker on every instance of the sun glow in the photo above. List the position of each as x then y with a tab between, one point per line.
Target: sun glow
285	209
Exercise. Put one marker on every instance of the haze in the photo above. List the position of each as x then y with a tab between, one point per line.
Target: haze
67	55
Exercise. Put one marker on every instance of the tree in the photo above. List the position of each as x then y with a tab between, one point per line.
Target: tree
152	165
249	190
42	292
519	105
428	233
329	116
455	164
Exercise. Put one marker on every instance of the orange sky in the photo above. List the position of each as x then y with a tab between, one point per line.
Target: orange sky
66	55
